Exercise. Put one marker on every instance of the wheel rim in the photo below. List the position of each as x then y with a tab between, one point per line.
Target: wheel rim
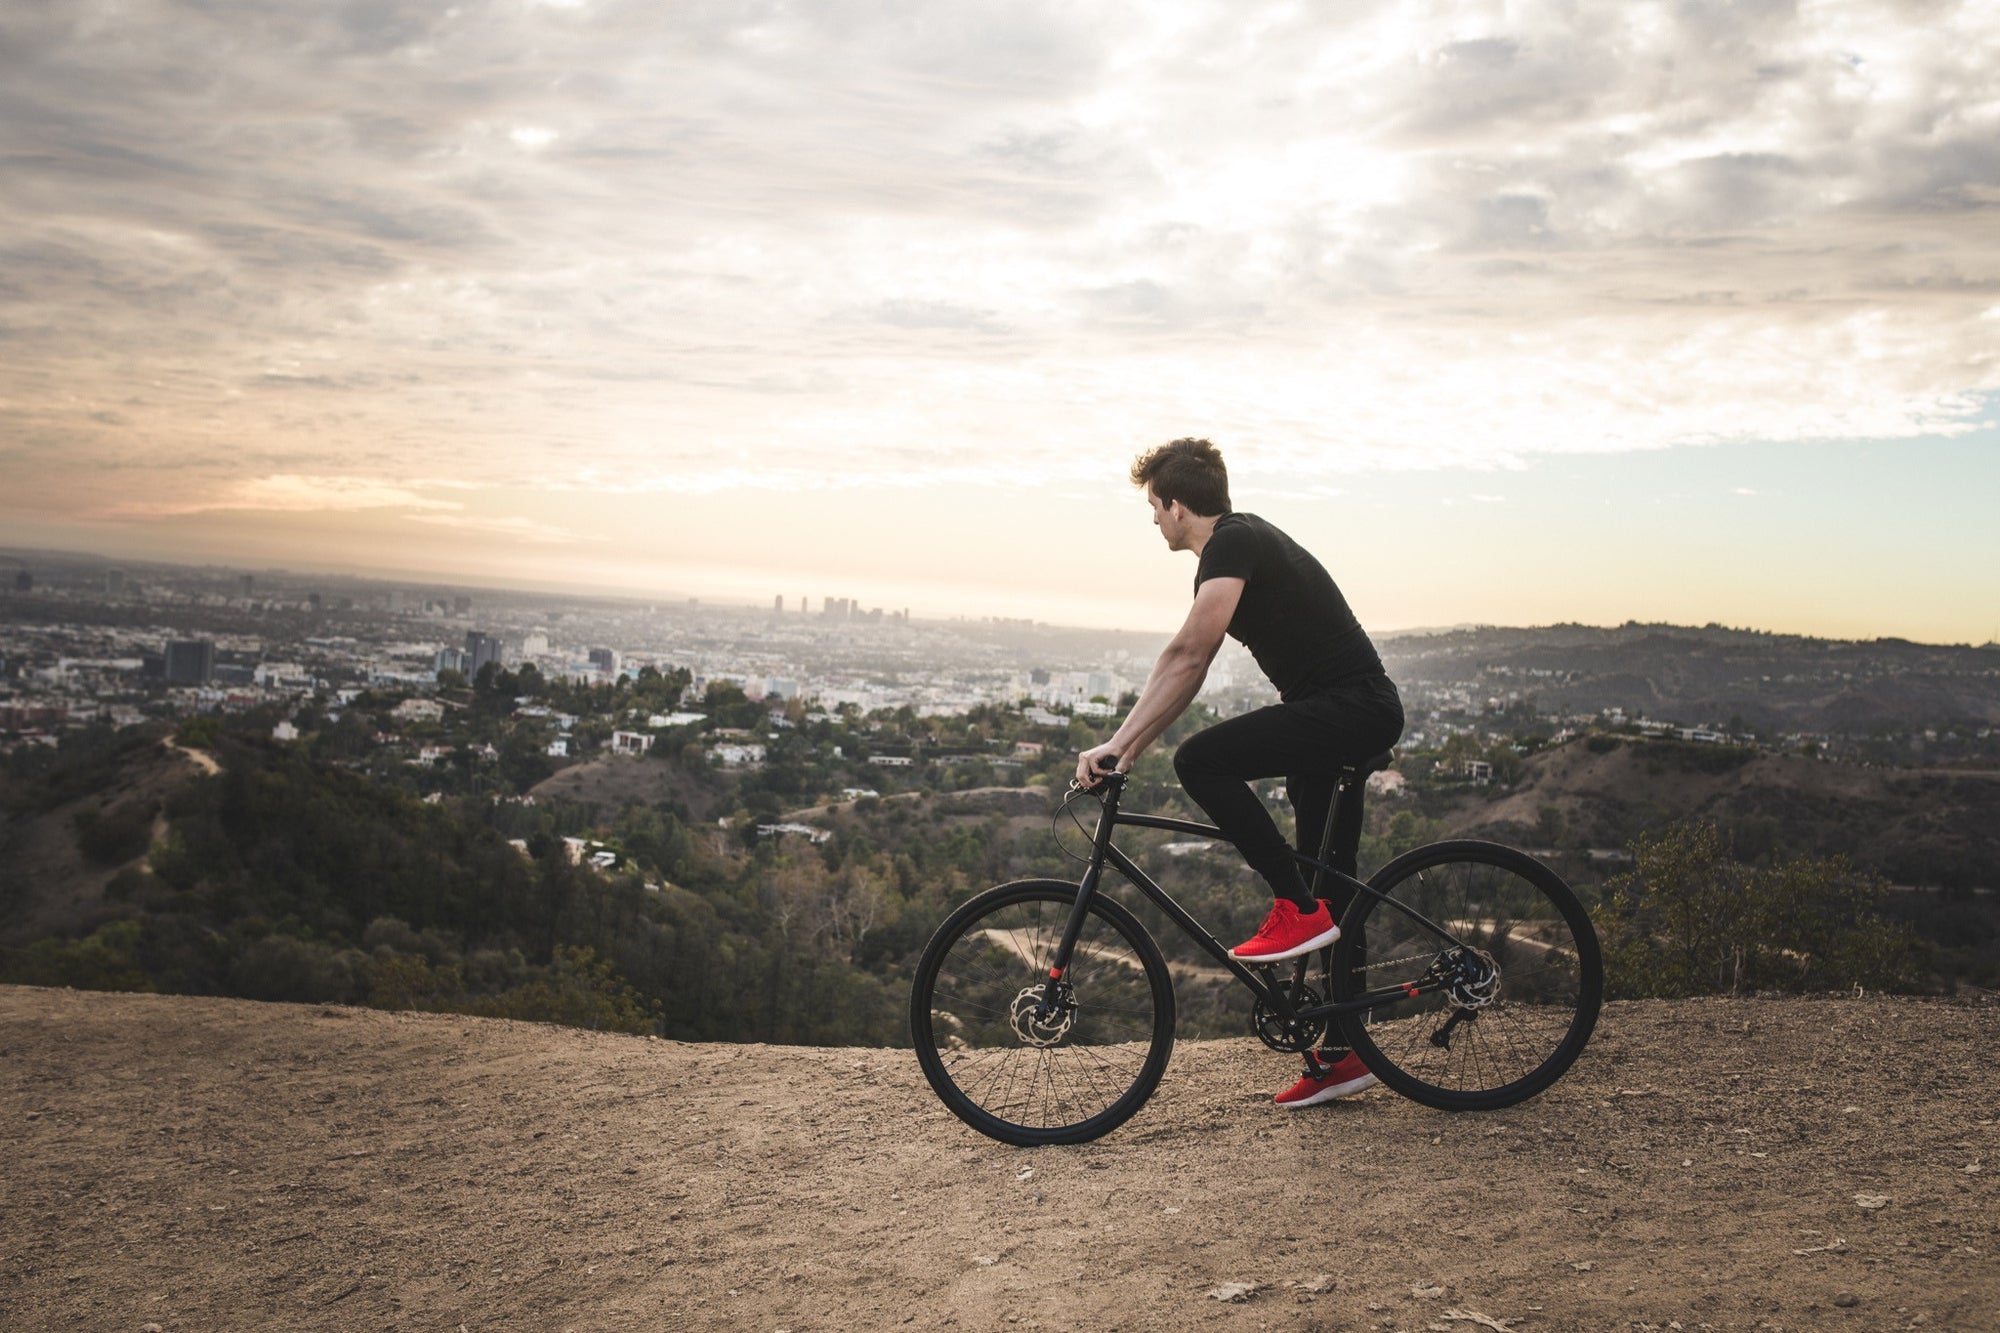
1021	1065
1513	1004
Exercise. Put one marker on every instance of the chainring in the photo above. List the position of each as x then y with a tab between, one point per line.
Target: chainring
1273	1031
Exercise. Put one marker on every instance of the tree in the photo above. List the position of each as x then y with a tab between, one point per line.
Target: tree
1689	919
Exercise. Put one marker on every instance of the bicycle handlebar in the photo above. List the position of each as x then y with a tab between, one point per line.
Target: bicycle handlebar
1103	776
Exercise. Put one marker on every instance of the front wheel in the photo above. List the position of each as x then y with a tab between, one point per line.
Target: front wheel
1024	1065
1491	971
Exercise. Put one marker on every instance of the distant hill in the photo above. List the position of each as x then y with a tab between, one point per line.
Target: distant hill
1917	826
1768	682
612	782
78	834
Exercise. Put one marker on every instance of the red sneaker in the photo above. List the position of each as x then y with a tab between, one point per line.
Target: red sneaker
1343	1078
1287	933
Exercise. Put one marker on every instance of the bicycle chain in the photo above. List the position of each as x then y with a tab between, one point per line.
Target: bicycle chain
1397	962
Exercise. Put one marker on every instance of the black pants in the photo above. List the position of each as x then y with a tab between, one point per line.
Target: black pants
1306	742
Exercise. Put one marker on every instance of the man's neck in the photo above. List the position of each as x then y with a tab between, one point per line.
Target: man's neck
1200	531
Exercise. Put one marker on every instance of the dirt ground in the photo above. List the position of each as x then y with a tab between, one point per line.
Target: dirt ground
192	1164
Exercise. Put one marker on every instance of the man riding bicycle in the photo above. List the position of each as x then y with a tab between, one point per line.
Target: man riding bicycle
1336	707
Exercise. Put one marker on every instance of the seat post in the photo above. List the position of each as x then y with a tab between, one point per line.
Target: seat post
1344	789
1340	840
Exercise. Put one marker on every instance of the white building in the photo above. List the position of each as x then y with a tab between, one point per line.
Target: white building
630	742
733	755
418	710
658	720
1385	782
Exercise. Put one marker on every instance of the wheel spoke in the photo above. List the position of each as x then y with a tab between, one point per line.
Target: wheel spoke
1507	914
1021	1062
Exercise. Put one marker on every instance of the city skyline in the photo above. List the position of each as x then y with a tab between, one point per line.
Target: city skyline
1514	315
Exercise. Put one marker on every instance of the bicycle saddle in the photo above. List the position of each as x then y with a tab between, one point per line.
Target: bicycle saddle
1373	764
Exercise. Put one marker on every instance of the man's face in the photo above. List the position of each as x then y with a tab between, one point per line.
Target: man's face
1170	519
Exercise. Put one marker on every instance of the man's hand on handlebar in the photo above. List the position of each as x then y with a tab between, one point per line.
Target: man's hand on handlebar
1096	764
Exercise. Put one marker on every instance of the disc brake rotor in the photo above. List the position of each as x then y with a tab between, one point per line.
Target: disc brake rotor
1047	1030
1476	979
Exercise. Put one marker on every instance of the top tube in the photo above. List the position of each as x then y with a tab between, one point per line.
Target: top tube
1172	825
1114	786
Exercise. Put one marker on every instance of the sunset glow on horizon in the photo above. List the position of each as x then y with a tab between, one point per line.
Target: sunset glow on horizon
1513	314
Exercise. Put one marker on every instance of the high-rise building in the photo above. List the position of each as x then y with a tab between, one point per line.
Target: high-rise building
605	660
190	661
449	659
479	650
114	582
778	604
395	602
461	606
23	581
249	586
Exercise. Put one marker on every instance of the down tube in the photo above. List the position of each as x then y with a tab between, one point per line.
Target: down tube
1179	916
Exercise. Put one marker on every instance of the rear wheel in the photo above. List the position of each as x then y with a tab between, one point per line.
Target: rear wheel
1493	1010
1021	1072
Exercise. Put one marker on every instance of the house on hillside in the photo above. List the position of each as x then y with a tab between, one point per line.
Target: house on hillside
630	742
1386	782
658	720
418	710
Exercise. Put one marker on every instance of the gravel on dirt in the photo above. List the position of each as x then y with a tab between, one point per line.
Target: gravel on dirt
204	1164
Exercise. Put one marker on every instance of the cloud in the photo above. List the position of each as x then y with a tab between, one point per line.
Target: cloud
850	244
521	529
283	494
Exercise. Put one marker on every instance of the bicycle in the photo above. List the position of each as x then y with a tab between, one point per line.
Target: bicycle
1467	976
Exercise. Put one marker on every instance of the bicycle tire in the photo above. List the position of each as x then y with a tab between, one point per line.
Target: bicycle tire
1527	1032
998	1071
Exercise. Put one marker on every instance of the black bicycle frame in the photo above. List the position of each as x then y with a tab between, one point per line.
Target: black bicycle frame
1104	852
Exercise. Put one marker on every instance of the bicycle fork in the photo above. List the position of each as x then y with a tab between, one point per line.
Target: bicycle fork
1056	991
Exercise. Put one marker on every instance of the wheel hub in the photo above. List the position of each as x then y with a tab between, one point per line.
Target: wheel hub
1036	1025
1475	981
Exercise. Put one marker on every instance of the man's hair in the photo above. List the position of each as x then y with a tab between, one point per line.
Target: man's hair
1189	471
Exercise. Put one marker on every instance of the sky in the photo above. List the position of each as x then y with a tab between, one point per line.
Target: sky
1513	313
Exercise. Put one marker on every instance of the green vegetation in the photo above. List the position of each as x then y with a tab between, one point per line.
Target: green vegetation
1689	919
352	866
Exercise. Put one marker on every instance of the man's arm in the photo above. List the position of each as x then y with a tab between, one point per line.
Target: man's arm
1173	683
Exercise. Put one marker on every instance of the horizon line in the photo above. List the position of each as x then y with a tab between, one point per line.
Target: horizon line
446	583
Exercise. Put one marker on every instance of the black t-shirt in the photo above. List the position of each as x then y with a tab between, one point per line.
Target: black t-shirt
1291	617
